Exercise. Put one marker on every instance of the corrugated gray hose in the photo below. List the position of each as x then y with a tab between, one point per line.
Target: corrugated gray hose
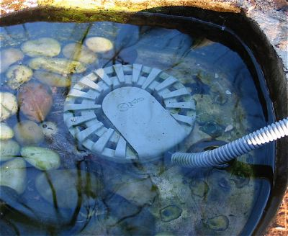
223	154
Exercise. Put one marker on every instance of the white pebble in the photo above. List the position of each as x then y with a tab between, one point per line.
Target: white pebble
8	105
5	132
229	128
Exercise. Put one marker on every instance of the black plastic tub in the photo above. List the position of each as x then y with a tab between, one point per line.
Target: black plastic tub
238	33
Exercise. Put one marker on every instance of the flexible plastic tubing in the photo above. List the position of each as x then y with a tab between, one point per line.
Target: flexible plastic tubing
241	146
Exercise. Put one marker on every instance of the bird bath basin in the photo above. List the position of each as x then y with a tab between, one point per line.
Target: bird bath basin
81	81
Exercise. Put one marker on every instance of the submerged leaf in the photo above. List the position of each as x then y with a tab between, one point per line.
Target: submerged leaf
35	101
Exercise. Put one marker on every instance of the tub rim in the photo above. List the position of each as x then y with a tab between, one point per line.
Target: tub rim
274	73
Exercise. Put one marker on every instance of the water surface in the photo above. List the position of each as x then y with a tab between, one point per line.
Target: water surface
88	195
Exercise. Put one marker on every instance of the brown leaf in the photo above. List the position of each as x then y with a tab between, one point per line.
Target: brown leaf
35	101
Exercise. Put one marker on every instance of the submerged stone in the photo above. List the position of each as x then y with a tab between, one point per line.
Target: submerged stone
41	47
198	87
240	182
119	208
49	129
79	52
218	223
170	213
8	105
220	98
141	224
8	57
204	117
212	113
9	198
199	188
221	187
13	175
100	45
68	188
213	129
8	149
28	133
52	79
5	132
57	65
138	192
17	75
41	158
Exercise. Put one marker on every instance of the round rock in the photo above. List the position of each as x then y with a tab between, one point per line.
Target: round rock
13	175
99	44
17	75
8	105
41	47
5	132
170	213
8	149
65	185
79	52
57	65
41	158
8	57
218	223
199	188
52	79
28	132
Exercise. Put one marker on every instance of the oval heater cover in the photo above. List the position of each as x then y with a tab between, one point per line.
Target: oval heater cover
123	113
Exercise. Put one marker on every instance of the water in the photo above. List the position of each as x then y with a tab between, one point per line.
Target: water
88	195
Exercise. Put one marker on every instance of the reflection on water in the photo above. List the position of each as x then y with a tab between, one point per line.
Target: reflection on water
52	186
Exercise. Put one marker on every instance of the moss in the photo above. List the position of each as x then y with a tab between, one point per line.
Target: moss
154	188
133	6
76	15
241	169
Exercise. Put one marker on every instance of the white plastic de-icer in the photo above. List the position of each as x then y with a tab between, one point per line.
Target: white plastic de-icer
142	121
129	112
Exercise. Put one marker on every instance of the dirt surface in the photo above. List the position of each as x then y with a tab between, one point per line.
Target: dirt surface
279	227
267	5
